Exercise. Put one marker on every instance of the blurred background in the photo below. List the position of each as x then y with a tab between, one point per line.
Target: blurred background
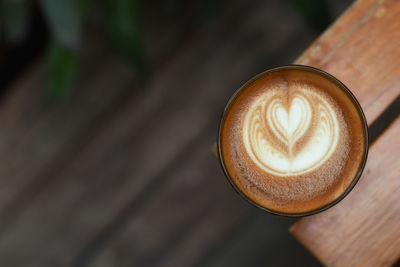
108	112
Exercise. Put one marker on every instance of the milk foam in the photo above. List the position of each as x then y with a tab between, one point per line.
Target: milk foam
292	141
288	135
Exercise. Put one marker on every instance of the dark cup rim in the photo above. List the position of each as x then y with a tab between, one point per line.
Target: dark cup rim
325	75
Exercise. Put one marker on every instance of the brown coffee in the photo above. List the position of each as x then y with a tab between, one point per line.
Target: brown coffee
293	140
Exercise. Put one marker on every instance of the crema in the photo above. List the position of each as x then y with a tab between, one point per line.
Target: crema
292	140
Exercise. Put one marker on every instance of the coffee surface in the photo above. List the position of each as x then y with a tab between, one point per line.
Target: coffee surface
292	141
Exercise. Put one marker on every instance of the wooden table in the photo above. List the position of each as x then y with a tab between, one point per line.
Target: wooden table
76	186
362	49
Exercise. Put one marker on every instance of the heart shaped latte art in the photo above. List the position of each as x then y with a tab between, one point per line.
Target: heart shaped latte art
290	135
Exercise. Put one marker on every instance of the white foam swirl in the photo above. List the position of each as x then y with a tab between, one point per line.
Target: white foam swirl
290	135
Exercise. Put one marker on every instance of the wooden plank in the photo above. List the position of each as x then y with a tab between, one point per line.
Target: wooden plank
38	134
42	135
363	229
115	166
185	216
261	240
362	49
221	216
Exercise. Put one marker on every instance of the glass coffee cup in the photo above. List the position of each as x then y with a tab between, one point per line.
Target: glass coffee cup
293	141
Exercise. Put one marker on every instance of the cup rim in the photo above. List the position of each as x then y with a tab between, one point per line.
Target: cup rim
325	75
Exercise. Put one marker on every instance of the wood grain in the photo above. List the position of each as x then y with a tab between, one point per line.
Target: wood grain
193	224
363	50
128	160
39	136
363	229
80	198
188	250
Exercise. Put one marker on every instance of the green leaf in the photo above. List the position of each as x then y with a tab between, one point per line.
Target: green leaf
15	15
62	64
122	21
65	20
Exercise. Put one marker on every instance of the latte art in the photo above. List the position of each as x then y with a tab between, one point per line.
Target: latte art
274	127
292	140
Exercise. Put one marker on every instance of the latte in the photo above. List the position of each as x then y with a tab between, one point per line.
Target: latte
293	140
